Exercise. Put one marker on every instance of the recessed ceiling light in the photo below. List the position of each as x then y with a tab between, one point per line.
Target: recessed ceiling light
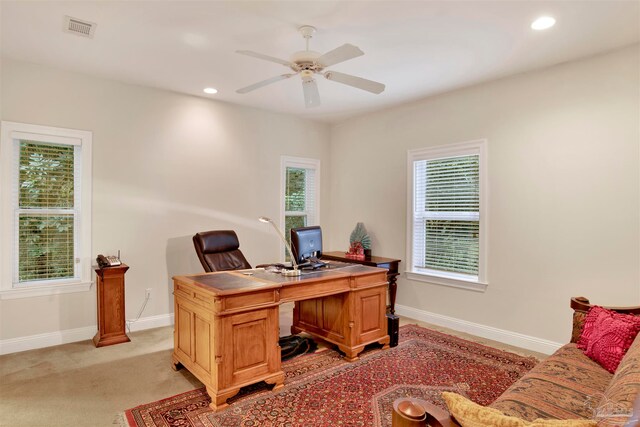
543	23
210	90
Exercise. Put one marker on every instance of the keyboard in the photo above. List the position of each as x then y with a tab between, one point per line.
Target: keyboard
312	264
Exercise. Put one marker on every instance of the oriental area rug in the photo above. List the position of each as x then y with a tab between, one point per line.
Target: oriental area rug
321	389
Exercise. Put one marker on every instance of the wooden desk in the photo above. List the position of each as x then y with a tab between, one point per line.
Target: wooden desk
226	323
392	266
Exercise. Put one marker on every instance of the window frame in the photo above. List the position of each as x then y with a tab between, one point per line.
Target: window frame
301	163
457	280
10	288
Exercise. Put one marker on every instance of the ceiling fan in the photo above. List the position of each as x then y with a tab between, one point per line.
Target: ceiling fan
308	62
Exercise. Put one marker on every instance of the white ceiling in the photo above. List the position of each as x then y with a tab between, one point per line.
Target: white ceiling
417	48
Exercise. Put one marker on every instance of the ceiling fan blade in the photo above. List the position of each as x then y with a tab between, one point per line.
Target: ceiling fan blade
264	83
340	54
357	82
311	94
265	57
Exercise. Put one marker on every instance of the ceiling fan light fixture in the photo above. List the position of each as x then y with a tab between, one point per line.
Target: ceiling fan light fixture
310	92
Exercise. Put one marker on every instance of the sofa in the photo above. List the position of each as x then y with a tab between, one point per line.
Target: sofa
569	385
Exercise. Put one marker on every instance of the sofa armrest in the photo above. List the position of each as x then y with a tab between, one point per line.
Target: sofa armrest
581	306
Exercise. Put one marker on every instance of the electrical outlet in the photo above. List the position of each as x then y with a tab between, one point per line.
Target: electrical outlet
147	294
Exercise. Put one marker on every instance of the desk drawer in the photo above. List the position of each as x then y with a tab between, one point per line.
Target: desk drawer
298	292
249	300
370	280
193	295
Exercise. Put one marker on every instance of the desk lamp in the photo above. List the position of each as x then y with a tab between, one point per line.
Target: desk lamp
295	271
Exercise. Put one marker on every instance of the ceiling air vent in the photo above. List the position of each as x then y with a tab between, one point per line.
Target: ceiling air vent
79	27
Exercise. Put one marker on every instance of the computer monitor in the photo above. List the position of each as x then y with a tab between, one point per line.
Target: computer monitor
306	243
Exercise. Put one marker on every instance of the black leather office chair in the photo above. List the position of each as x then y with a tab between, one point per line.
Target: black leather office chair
219	251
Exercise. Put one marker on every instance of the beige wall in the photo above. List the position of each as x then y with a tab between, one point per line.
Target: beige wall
165	166
563	175
563	153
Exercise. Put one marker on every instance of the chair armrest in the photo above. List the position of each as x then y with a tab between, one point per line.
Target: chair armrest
581	306
437	417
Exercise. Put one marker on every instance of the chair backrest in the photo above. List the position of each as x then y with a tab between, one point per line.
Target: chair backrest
218	251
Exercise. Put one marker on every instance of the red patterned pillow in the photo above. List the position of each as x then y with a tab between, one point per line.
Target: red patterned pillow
607	336
589	325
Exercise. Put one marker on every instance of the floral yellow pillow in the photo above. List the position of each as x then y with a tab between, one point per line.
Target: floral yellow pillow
470	414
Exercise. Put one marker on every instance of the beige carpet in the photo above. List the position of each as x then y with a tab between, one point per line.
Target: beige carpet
80	385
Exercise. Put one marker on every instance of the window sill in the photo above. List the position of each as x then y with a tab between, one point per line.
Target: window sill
41	291
447	281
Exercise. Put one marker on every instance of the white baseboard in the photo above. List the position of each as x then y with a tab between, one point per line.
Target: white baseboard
152	322
488	332
32	342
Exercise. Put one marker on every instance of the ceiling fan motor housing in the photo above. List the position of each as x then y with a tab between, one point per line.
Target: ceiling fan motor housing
305	62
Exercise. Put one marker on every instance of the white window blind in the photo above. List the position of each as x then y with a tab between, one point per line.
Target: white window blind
446	231
46	209
446	226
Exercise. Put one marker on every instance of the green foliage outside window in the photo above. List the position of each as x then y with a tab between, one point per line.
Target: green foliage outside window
293	222
46	239
295	200
295	197
46	247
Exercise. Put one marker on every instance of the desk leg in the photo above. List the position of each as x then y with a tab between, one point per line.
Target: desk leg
351	353
393	287
393	328
393	322
175	363
277	381
219	399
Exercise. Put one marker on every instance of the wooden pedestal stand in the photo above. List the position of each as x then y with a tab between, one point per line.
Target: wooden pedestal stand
111	314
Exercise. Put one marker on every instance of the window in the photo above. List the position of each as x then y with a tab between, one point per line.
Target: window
300	189
46	198
447	233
